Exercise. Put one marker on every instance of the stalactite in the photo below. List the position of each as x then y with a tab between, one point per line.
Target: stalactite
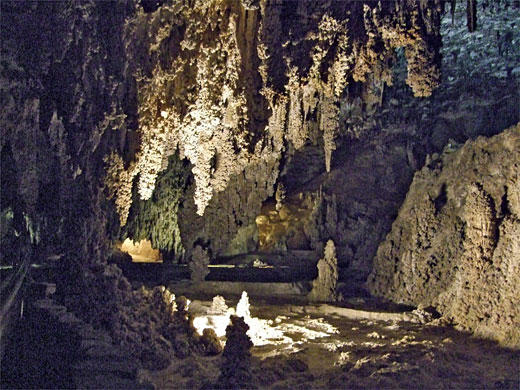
452	11
471	11
199	95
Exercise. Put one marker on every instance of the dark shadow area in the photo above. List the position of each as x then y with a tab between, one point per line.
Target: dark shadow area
40	354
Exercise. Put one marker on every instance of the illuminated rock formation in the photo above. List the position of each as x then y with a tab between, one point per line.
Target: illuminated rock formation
199	264
119	182
141	251
243	307
324	286
210	342
455	244
177	120
198	90
156	219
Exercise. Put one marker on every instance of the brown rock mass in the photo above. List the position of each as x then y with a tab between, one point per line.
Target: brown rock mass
455	244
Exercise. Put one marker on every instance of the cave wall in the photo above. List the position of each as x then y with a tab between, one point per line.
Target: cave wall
237	92
454	245
68	100
64	104
393	137
194	108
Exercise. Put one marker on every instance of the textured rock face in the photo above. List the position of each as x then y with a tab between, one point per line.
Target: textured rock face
378	149
66	100
92	89
199	264
63	93
62	74
156	219
236	87
455	244
140	251
371	173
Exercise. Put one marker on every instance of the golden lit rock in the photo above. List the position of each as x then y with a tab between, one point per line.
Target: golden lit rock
141	252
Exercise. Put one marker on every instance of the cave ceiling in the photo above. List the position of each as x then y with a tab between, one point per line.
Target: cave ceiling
231	85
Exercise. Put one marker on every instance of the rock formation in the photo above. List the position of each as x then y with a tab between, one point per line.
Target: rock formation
156	219
243	307
236	364
210	342
324	286
197	92
176	119
454	245
373	169
199	264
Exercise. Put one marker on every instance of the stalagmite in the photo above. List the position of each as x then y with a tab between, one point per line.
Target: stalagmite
324	286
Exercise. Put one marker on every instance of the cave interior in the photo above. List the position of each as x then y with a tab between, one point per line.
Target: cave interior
230	194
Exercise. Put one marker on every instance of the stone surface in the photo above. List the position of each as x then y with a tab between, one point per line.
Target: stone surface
198	264
126	369
108	381
105	350
454	244
200	96
373	165
210	342
324	286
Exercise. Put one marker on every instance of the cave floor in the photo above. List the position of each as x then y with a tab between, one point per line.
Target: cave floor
326	347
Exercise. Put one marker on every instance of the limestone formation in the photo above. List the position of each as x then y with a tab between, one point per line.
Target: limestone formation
141	251
279	196
285	228
454	245
156	219
210	342
243	309
236	365
200	95
119	182
219	305
245	241
324	286
199	264
177	119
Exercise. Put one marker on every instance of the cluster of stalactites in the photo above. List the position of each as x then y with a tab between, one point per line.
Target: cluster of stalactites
205	63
